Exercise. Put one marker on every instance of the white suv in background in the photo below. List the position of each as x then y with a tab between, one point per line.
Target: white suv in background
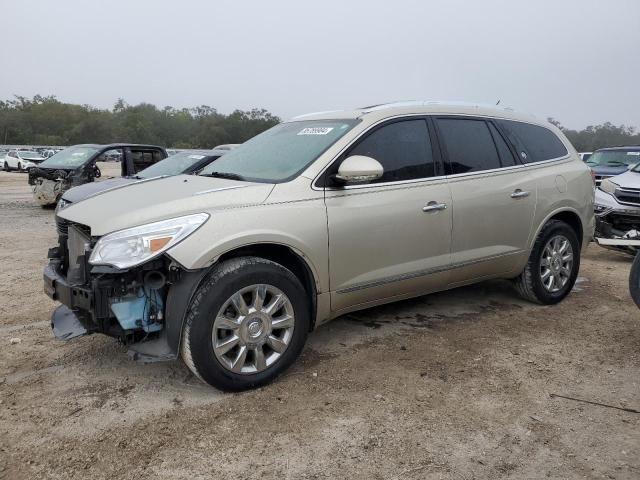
21	160
319	216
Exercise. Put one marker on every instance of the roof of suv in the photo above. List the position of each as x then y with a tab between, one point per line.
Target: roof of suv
416	107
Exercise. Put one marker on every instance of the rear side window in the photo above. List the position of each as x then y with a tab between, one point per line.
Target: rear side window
403	148
536	144
469	145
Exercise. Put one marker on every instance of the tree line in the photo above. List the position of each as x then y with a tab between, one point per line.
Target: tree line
594	137
48	121
44	120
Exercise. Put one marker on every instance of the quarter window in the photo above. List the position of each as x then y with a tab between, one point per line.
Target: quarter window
537	143
402	148
469	145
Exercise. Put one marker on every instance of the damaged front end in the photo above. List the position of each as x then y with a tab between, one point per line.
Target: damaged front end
128	304
617	215
49	184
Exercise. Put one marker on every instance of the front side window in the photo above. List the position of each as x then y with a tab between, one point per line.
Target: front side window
281	153
539	143
469	145
402	148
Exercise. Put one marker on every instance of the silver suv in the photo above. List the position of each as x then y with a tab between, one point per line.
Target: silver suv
316	217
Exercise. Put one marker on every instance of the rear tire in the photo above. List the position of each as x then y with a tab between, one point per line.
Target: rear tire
231	306
5	166
553	265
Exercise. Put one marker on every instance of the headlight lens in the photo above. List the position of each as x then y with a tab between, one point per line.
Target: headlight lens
608	186
133	246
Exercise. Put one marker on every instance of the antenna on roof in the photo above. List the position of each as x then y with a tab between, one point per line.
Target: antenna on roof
498	102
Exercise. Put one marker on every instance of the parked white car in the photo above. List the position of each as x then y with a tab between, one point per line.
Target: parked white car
315	218
21	160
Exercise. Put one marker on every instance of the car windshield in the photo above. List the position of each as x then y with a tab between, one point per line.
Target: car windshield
614	158
175	164
281	153
28	154
71	157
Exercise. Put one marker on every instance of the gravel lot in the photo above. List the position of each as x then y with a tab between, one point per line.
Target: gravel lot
453	385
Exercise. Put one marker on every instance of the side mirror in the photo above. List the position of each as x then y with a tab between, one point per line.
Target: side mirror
358	169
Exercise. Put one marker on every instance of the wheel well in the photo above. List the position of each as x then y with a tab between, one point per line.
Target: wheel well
571	219
287	258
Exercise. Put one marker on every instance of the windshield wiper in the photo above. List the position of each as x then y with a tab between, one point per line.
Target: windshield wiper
615	162
227	175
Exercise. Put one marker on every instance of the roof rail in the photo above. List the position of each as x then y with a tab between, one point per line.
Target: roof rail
421	103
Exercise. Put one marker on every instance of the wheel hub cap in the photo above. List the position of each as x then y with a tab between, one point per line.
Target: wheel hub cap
556	263
253	329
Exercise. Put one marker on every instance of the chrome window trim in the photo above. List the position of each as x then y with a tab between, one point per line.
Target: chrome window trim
425	179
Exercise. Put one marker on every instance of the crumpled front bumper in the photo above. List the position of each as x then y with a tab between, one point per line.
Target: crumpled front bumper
71	319
616	223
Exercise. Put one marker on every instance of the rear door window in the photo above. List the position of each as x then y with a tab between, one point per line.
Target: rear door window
403	148
535	143
468	144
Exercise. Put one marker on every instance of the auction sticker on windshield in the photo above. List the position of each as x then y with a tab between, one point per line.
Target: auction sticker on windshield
315	131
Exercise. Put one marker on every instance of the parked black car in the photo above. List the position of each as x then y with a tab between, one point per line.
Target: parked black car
76	165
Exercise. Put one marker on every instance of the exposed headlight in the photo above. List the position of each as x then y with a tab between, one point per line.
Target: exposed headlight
133	246
608	186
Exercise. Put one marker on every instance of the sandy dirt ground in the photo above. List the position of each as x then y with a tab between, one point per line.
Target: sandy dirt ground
452	385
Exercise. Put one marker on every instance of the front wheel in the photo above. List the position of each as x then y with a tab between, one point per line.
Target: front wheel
246	324
553	265
19	166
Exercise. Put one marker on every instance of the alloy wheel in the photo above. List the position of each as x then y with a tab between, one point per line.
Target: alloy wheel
556	263
253	329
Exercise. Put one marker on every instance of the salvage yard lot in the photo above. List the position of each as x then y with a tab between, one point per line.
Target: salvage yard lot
452	385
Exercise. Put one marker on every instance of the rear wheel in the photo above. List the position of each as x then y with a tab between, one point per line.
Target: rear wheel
553	265
5	166
246	324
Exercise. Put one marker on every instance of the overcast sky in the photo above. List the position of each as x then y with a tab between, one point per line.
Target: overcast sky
575	60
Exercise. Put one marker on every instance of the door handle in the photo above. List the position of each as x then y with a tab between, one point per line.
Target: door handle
517	193
434	207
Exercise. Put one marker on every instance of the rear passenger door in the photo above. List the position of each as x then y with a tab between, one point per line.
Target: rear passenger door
494	201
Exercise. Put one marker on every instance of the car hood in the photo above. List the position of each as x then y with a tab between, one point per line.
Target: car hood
628	179
604	170
81	192
160	199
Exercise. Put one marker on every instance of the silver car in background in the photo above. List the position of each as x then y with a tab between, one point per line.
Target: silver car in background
617	210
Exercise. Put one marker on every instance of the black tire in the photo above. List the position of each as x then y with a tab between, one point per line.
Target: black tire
220	284
529	283
19	166
634	280
5	166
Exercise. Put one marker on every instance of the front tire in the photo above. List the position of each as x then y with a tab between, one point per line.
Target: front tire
553	265
246	324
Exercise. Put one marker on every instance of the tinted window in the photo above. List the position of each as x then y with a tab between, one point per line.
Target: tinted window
469	145
403	149
539	143
506	157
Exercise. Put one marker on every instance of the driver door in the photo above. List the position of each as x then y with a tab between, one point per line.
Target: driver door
383	243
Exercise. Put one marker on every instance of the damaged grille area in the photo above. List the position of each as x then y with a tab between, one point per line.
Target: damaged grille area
628	196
